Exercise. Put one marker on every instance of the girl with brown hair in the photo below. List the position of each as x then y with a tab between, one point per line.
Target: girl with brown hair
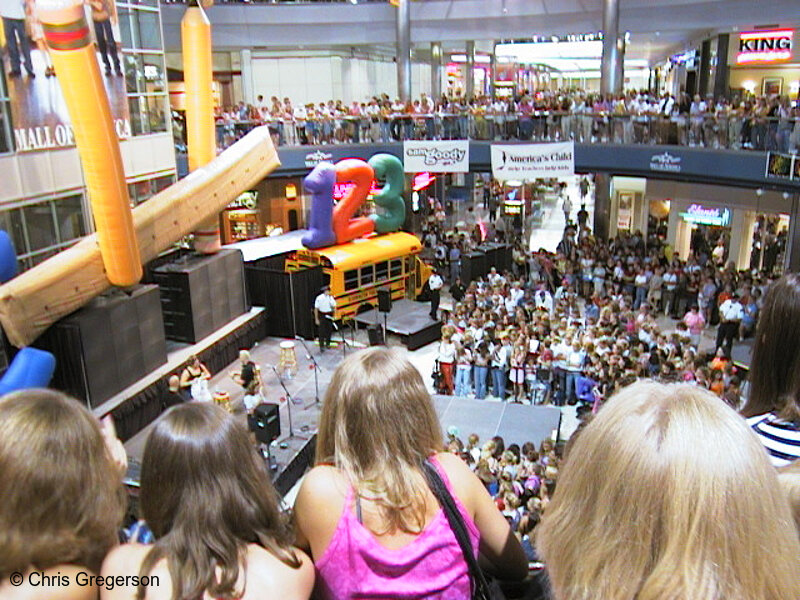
773	405
207	497
61	496
366	512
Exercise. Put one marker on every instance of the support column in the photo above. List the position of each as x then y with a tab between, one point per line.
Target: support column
705	67
246	66
403	53
492	73
792	255
469	68
722	74
742	223
602	206
619	68
608	64
436	70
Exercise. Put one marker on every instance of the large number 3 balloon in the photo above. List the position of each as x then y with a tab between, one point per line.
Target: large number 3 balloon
389	169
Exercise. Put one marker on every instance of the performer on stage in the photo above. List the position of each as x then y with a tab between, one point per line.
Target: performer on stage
250	375
324	305
435	282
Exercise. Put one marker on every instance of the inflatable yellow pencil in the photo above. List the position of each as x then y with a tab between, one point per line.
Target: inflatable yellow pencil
200	132
67	34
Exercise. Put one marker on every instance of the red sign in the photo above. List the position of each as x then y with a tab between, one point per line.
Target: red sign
421	181
341	189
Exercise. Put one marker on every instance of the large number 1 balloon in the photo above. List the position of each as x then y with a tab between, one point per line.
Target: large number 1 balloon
389	169
320	227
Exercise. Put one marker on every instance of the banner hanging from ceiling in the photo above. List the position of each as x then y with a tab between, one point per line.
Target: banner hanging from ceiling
436	156
523	162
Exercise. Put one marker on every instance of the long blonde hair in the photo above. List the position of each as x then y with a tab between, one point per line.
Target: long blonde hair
667	494
377	426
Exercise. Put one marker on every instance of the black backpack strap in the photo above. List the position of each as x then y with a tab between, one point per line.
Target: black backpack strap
459	528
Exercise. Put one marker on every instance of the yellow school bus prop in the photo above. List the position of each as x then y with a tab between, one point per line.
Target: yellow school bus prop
358	269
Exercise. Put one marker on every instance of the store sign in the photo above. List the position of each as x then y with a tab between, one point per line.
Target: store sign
314	158
665	162
704	215
512	207
436	157
533	161
765	46
248	200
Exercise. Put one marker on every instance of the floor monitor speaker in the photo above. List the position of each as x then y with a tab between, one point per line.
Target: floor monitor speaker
265	423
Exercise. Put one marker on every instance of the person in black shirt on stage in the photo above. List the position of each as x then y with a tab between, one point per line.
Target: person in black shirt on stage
249	377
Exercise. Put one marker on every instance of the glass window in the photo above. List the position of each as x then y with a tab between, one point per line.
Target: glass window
381	271
40	226
163	183
138	123
152	74
144	73
69	215
351	280
156	115
149	30
396	268
11	223
5	128
125	32
367	275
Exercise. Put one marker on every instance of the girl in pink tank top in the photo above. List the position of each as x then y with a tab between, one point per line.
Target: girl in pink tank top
356	565
377	427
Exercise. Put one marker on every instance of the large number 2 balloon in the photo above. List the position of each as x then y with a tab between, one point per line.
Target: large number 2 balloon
390	199
359	173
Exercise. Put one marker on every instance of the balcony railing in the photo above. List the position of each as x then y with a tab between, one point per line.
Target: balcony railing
711	131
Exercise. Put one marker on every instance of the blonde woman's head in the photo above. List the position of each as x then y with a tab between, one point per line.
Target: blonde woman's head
668	494
378	425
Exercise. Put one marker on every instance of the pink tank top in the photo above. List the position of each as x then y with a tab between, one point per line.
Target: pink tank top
356	565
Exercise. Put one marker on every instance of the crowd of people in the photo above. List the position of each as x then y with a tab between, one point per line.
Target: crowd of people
752	122
578	324
638	503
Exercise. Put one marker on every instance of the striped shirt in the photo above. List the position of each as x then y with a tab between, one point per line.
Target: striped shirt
780	438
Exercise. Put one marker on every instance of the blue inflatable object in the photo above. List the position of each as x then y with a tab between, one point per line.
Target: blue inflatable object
31	368
8	258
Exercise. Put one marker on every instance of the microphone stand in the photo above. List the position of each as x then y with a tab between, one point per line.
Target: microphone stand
289	401
317	368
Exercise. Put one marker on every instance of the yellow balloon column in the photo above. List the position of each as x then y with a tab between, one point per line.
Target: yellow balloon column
67	34
200	133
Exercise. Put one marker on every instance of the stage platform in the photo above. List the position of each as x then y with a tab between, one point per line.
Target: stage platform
516	423
409	320
292	454
742	353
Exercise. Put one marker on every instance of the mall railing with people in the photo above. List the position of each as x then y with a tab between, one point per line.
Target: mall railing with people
763	125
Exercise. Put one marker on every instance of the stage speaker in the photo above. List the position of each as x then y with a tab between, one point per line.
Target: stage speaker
384	300
375	333
265	422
